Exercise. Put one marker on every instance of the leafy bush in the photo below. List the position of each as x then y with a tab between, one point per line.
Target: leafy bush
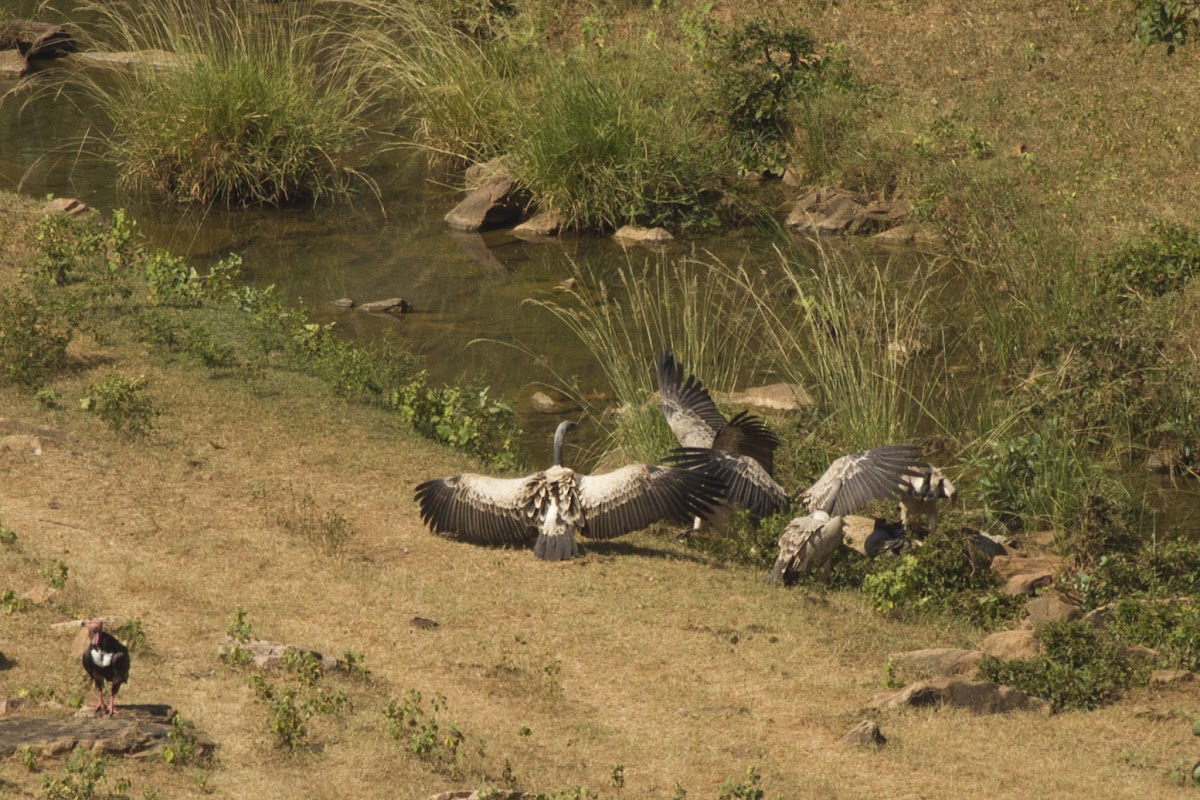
122	402
1169	21
1170	627
1162	263
944	575
760	68
1078	668
33	341
173	282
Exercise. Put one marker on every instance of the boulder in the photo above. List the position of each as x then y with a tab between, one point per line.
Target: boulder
545	404
35	39
539	226
67	205
940	662
133	59
1028	583
1006	567
484	794
979	697
12	64
840	211
137	729
1009	645
863	734
480	173
342	302
1051	607
774	397
393	305
871	537
498	202
987	546
1100	617
1164	677
632	234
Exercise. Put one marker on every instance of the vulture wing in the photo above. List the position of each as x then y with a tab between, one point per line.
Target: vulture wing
478	508
748	484
855	480
807	543
748	435
633	497
687	405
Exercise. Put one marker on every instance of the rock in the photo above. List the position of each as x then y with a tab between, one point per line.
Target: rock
137	729
1170	458
1165	677
942	662
791	178
484	794
1100	617
870	537
910	235
987	546
980	697
1139	652
22	443
632	234
1027	583
12	64
545	404
775	396
497	203
539	226
424	624
40	594
840	211
1009	645
393	305
1006	567
863	734
269	655
133	59
67	205
343	302
36	39
1051	607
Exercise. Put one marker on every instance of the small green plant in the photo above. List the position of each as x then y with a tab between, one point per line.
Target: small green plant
1161	263
33	341
241	631
133	635
428	737
46	399
84	778
288	720
327	531
617	778
10	602
8	537
55	573
354	665
122	403
304	663
1172	22
27	758
748	789
182	745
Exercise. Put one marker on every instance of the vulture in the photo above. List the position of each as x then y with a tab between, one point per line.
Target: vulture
919	500
851	482
551	507
743	448
105	659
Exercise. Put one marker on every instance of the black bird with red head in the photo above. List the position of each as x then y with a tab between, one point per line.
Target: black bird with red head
105	659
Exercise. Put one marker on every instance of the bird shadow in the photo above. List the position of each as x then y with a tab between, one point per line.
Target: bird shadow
629	549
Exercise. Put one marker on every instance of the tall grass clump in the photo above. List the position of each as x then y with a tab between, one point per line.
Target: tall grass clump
860	340
256	105
593	147
695	308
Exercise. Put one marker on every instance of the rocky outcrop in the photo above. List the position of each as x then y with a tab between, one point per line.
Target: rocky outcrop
863	734
497	203
1010	645
840	211
137	729
632	234
936	662
1024	574
12	64
871	537
67	205
35	39
1051	607
979	697
270	655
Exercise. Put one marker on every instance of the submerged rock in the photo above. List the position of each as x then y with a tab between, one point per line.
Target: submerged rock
632	234
393	305
36	39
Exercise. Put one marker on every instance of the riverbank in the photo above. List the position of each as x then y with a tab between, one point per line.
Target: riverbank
257	488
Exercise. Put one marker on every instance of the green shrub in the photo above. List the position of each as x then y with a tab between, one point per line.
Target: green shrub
1079	667
33	341
1169	626
83	779
427	735
1169	21
173	282
122	403
1160	264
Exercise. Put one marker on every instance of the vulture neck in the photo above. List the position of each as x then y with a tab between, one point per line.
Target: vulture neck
559	435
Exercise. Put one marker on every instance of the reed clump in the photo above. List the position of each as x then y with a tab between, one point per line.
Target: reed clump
251	106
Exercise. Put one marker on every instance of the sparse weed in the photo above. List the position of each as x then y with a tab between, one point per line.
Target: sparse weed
304	663
46	399
10	602
427	736
239	627
55	573
748	789
84	778
133	635
288	720
8	537
33	341
354	665
328	532
122	403
181	749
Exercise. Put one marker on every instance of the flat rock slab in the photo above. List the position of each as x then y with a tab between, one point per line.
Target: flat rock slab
133	59
1052	607
483	794
12	64
393	305
135	730
775	397
1008	566
270	655
1009	645
632	234
498	202
943	662
979	697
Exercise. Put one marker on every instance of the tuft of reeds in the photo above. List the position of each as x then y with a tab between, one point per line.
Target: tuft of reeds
250	104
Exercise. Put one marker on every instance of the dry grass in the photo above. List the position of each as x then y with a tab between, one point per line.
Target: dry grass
639	654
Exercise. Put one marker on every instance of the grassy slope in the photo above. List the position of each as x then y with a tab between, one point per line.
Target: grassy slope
178	529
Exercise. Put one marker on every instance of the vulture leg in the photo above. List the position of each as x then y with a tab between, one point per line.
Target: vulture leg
101	705
112	702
